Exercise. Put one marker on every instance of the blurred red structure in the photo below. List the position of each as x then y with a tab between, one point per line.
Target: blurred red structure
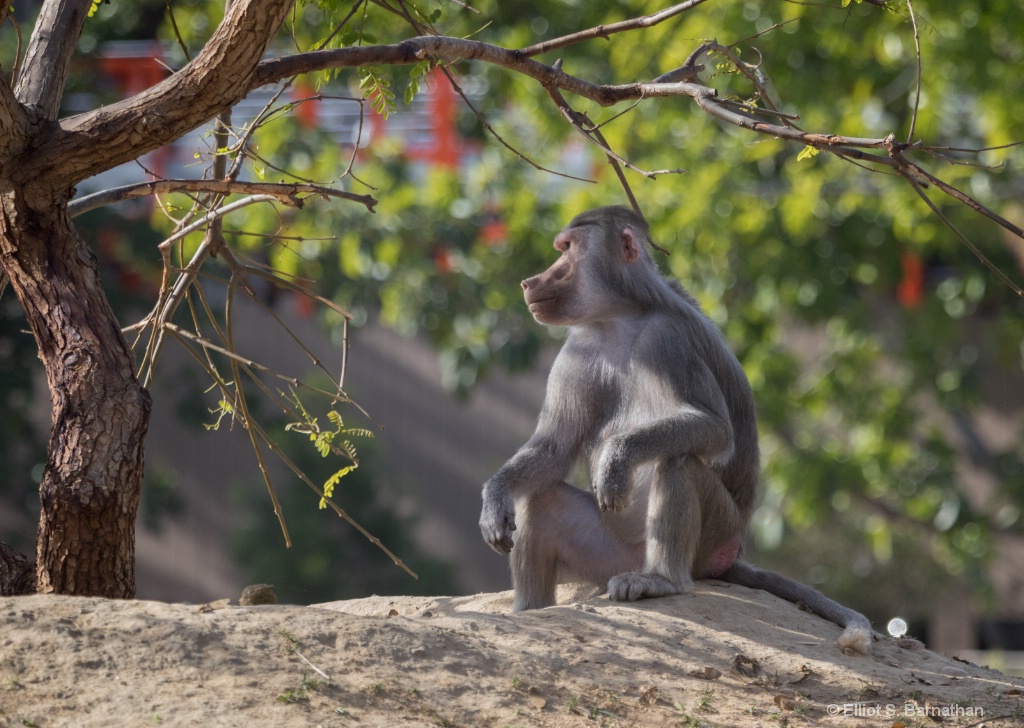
910	291
133	68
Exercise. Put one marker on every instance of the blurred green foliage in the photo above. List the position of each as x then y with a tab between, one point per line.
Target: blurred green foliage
869	410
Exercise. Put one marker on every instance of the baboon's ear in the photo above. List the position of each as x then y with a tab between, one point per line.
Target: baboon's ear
630	245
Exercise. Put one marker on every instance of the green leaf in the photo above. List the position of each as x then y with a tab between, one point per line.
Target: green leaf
336	478
808	152
333	481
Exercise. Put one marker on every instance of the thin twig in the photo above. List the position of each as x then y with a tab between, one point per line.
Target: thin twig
171	299
262	118
177	33
334	506
17	51
243	403
341	25
963	238
593	134
924	176
221	212
752	73
577	120
464	6
340	396
221	130
267	310
296	288
767	30
287	192
917	92
604	31
316	669
486	124
247	423
966	150
282	404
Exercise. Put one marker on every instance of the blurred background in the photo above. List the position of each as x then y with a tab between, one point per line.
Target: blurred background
886	360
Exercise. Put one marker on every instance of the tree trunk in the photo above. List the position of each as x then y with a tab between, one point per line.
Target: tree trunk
90	488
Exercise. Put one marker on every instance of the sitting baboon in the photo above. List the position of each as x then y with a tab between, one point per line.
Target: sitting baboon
645	389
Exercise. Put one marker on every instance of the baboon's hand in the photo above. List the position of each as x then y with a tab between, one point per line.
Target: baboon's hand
498	521
613	484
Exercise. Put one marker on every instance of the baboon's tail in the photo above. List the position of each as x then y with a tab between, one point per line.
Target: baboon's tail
856	636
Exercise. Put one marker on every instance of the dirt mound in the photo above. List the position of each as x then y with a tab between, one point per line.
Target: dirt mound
719	655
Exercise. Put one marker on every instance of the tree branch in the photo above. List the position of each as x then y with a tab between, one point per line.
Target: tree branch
170	300
285	192
906	166
14	122
593	135
40	85
917	55
221	131
210	84
603	31
442	48
963	238
453	49
501	140
581	122
215	80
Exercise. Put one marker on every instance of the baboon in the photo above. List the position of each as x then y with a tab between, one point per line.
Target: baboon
648	392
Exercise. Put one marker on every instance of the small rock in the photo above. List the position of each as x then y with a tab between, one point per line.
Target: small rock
705	673
785	702
255	594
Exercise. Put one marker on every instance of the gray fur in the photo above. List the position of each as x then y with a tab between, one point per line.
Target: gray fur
648	393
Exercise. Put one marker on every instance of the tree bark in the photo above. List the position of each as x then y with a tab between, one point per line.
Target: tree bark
220	75
90	488
48	57
89	493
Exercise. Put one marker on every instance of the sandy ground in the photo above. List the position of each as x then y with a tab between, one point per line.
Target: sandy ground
719	655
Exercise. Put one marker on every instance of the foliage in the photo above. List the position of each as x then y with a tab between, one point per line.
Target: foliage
329	441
